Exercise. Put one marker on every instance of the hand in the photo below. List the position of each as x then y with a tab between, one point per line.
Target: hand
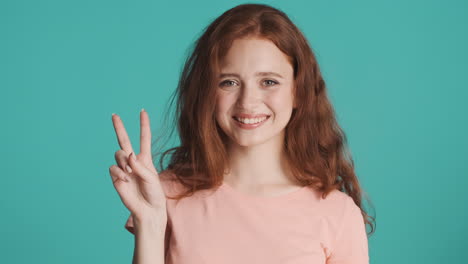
142	193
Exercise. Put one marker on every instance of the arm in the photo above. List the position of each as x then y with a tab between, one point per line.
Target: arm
149	241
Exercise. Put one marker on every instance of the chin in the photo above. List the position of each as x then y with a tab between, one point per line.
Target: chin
250	142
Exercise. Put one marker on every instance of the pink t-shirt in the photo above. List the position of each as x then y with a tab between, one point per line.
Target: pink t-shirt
227	226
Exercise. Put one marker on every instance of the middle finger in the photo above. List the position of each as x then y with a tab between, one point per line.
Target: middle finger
145	135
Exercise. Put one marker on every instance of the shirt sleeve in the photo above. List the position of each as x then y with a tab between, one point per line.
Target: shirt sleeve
129	224
350	245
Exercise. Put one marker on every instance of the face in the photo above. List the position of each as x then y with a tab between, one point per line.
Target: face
256	80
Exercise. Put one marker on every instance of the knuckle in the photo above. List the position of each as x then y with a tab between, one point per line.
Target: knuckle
112	168
116	171
118	153
120	158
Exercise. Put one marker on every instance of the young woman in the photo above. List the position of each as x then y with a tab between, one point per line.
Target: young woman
262	174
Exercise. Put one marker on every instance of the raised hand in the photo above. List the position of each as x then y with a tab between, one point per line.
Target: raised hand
135	177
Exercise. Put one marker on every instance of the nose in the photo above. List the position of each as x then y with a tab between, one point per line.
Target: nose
249	96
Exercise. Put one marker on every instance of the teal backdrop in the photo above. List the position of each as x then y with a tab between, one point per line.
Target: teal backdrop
396	72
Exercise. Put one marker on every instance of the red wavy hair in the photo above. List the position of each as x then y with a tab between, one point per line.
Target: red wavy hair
315	145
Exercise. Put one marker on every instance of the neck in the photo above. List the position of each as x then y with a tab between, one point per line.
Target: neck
257	166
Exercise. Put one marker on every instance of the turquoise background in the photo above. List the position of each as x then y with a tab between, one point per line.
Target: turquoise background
396	72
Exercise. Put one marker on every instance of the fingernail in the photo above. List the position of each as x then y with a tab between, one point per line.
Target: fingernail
129	170
142	110
133	156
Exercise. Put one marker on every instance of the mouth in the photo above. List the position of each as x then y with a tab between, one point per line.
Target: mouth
251	121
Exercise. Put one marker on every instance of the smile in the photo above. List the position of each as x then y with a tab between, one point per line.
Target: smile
247	123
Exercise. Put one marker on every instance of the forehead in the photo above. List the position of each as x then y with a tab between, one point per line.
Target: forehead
250	56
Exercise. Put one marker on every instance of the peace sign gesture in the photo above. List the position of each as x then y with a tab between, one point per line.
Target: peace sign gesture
135	177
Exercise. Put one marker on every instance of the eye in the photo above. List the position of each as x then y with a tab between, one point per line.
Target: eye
274	82
227	81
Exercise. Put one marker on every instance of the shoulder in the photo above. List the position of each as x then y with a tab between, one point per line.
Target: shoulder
338	207
345	233
337	201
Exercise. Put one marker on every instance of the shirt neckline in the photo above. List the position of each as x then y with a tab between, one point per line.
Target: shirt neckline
246	196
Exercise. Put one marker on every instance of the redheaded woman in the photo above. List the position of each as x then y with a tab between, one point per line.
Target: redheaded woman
262	174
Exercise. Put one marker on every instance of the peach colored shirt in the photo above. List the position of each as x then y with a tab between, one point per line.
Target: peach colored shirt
227	226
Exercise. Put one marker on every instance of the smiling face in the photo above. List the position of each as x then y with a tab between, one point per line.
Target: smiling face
256	79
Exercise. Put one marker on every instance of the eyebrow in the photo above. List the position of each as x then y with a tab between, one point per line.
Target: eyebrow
256	74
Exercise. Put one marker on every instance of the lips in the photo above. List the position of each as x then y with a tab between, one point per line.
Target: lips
250	126
249	116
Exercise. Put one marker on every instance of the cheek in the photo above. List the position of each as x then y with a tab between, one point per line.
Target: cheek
280	99
222	107
223	103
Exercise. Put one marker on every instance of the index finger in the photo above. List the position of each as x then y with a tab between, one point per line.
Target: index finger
122	135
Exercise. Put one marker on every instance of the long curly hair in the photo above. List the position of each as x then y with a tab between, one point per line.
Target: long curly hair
315	145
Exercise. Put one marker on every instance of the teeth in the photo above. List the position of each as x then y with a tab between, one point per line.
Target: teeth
250	121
